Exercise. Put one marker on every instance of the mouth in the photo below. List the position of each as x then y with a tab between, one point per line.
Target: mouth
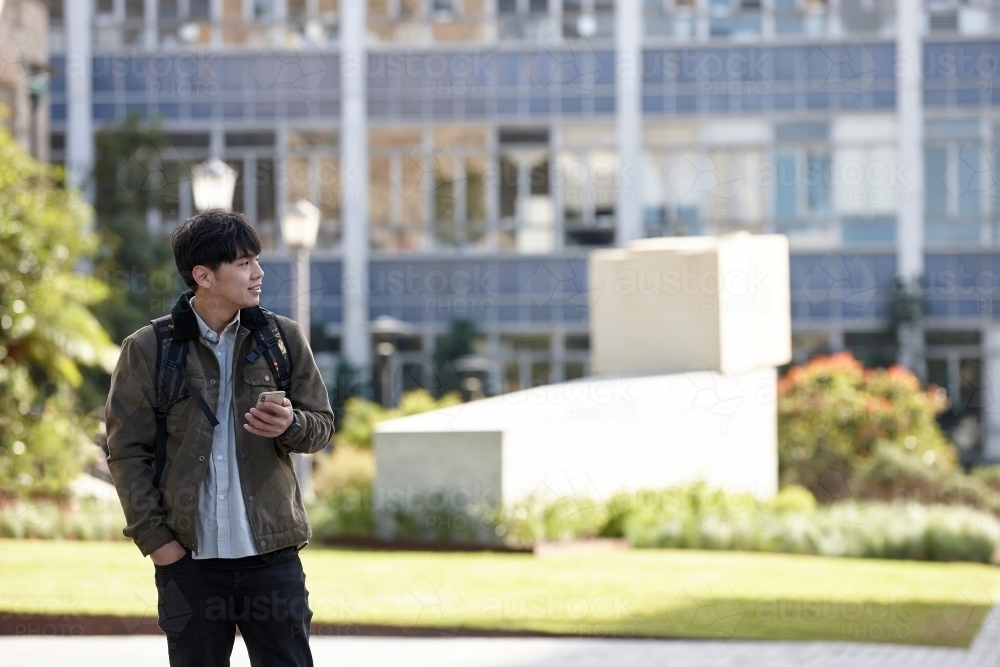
255	289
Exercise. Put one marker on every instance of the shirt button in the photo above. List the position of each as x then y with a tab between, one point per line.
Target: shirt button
201	458
218	354
222	496
219	457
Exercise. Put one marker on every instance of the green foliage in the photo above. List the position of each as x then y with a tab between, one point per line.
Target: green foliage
832	413
130	178
698	517
361	415
84	520
47	332
343	512
457	343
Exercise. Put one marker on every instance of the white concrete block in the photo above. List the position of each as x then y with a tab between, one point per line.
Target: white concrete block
677	304
589	437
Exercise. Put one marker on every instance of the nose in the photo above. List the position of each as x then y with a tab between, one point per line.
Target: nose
258	272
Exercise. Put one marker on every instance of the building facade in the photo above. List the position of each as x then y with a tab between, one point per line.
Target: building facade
24	68
466	154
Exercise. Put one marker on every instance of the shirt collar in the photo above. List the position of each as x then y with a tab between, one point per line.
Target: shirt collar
206	332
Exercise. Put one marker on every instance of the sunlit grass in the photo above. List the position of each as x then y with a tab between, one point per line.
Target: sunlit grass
625	593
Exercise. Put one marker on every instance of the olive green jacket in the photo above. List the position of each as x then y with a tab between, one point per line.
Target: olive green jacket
157	515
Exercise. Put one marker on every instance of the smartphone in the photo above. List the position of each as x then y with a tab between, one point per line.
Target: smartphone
271	397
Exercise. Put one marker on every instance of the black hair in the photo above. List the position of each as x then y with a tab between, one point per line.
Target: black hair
210	239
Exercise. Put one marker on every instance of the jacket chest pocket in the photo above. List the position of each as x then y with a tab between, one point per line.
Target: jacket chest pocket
257	381
184	410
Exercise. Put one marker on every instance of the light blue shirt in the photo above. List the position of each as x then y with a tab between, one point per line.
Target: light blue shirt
223	525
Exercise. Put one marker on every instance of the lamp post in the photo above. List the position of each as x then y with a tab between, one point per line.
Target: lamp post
388	327
299	227
212	184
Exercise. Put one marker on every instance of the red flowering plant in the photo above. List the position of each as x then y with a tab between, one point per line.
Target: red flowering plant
834	416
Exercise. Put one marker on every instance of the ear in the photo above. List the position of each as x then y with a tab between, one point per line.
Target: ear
203	276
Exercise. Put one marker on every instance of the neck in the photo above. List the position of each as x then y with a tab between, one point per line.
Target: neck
215	314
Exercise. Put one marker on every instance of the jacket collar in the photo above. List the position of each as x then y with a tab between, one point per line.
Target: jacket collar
186	324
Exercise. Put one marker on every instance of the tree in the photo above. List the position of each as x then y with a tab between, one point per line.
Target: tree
454	345
47	332
131	177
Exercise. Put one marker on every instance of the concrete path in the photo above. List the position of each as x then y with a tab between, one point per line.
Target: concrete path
151	651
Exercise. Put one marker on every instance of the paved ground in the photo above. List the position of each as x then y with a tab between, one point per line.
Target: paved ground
151	651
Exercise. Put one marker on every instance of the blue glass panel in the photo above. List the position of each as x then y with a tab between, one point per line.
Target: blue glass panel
883	58
785	64
652	67
510	313
937	61
883	99
605	68
934	98
785	204
688	103
784	100
570	105
201	110
538	105
508	69
718	102
817	100
170	111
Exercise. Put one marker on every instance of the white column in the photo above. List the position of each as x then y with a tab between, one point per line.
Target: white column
79	119
355	343
628	119
910	226
991	380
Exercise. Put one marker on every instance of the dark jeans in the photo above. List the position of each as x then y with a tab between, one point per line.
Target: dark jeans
202	602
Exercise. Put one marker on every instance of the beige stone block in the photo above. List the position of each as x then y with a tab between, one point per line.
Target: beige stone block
678	304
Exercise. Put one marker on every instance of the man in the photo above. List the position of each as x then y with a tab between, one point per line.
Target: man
225	522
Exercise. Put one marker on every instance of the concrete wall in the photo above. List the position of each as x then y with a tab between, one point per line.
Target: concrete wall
588	438
687	303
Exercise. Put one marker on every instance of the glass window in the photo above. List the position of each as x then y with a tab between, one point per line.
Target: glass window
263	9
264	186
785	190
936	186
135	9
818	180
969	187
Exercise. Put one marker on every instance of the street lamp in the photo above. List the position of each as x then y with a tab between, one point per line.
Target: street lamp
386	326
299	228
212	184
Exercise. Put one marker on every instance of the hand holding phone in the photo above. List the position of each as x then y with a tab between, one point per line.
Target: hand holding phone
270	416
271	397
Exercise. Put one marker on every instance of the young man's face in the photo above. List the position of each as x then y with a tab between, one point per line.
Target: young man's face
236	285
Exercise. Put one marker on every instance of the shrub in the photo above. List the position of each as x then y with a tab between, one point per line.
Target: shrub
832	413
84	520
361	415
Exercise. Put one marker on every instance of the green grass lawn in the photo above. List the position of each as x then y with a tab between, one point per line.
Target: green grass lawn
658	593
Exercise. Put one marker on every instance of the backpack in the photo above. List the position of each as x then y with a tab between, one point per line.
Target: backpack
171	380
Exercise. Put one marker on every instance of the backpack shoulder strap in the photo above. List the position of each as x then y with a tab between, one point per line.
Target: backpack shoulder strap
167	385
271	343
171	358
